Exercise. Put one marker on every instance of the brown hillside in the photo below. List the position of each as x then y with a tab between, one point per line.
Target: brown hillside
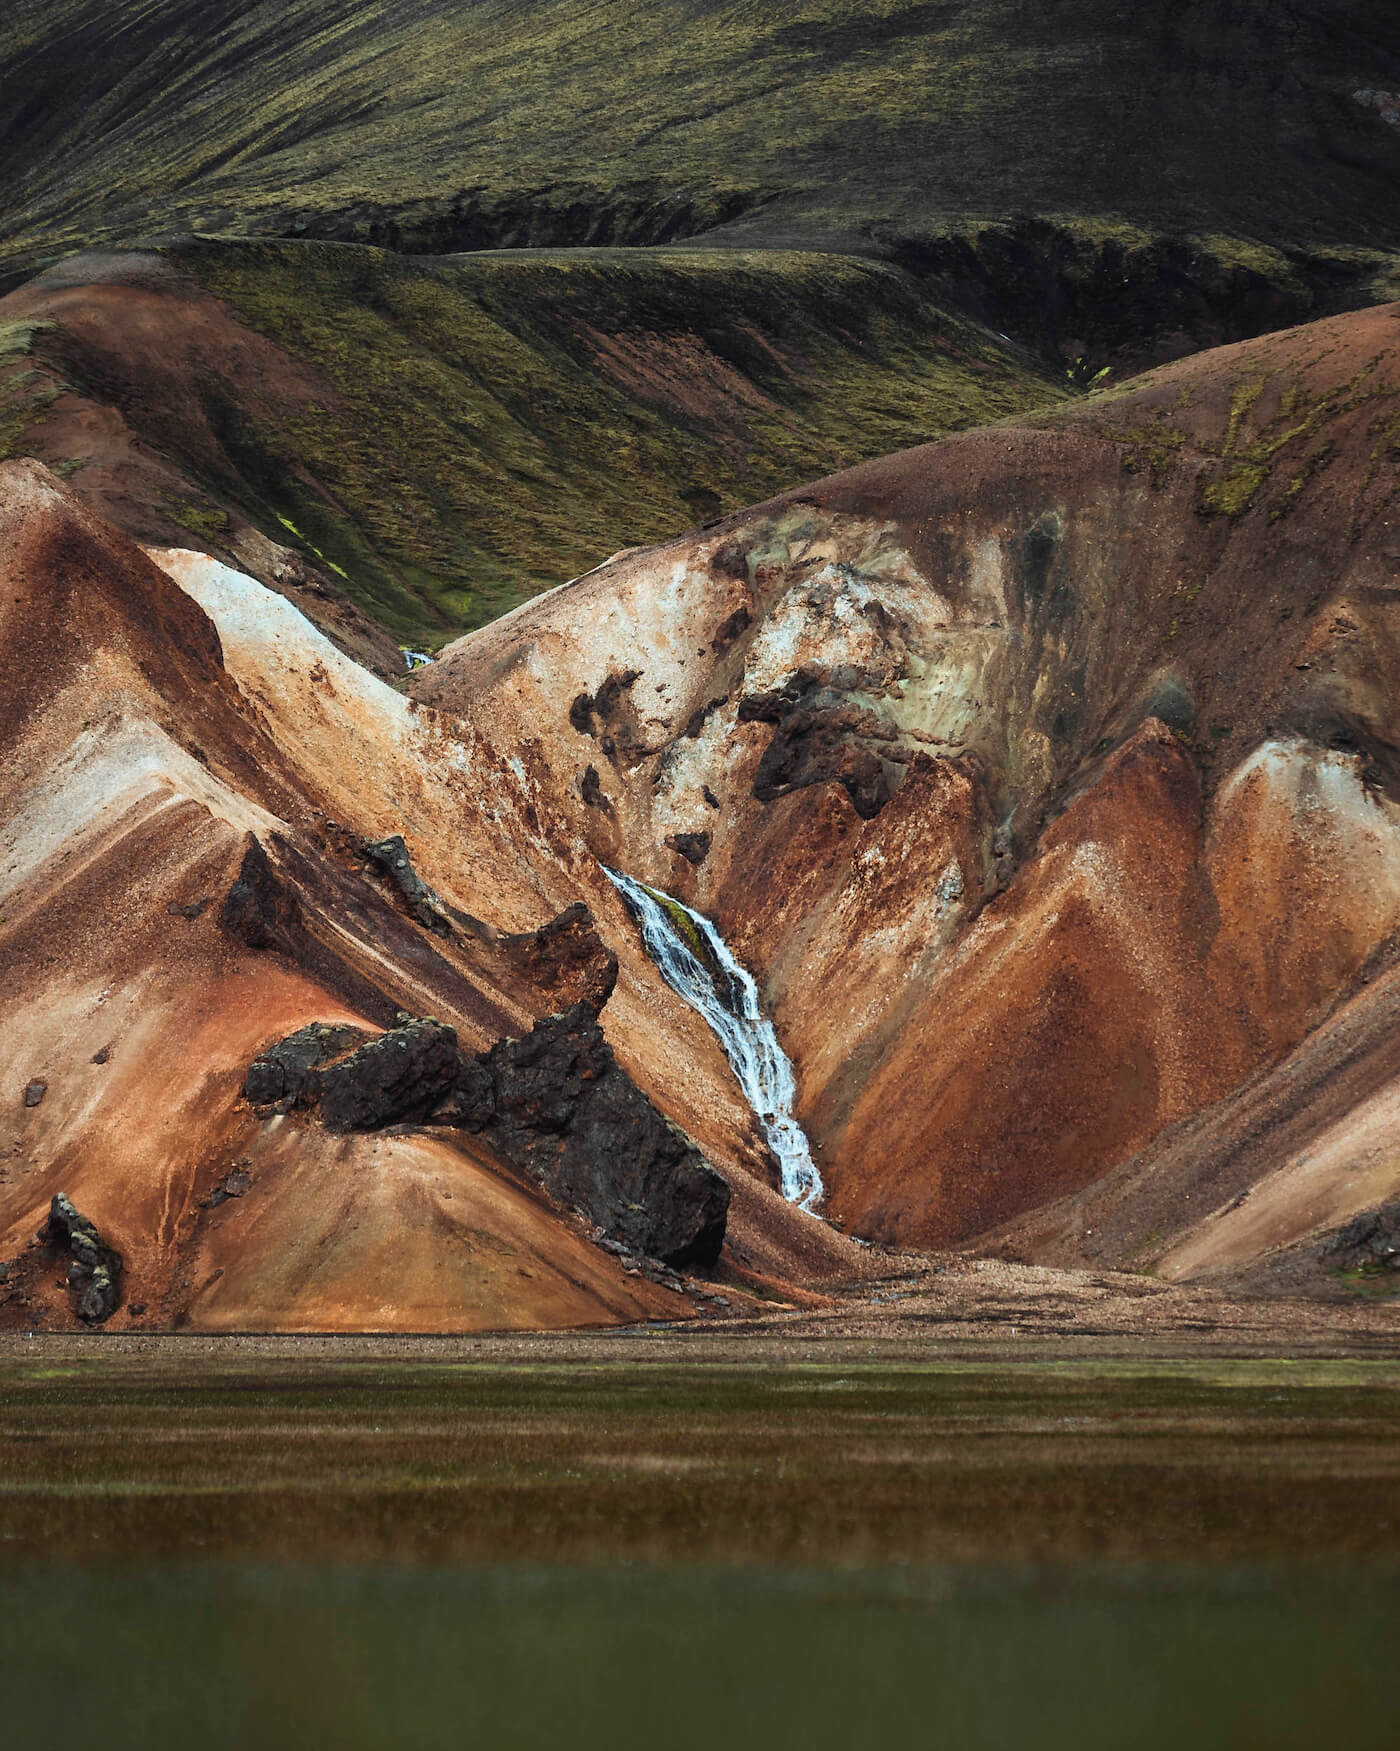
1049	772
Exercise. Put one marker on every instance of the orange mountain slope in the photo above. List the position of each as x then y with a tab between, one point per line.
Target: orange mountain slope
149	730
1046	777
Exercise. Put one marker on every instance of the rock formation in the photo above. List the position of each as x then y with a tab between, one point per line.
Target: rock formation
94	1270
555	1105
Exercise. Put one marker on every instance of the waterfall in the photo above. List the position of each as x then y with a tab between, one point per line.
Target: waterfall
695	963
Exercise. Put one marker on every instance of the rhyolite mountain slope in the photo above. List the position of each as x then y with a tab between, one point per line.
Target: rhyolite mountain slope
1051	160
190	775
408	449
1045	776
1049	778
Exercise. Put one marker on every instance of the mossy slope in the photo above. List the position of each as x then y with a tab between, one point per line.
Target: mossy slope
453	437
828	123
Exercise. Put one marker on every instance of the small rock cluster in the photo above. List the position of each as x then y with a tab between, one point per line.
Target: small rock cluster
94	1269
1369	1242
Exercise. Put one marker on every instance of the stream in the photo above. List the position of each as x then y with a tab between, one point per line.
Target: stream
693	960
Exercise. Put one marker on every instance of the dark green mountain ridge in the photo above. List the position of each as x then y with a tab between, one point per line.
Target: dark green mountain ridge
1003	145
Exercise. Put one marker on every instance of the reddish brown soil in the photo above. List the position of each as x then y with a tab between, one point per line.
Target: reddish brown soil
133	347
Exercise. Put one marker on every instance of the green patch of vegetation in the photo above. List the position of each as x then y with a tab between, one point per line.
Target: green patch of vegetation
1250	448
681	921
1151	448
17	338
24	393
167	1454
208	522
1234	493
491	426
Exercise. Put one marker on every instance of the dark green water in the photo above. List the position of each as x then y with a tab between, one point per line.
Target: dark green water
545	1657
202	1545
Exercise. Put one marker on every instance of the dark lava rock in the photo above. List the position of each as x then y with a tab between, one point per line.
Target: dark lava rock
102	1056
702	714
591	790
190	909
258	909
822	736
1369	1242
35	1091
471	1103
693	847
403	1074
592	712
566	958
556	1105
422	904
94	1269
290	1071
570	1116
233	1185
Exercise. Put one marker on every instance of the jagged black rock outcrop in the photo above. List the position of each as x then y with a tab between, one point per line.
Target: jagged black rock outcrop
822	736
288	1074
258	909
403	1074
1369	1242
567	1113
360	1083
556	1105
94	1269
391	856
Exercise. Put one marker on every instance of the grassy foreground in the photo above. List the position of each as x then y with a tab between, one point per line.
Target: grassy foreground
197	1451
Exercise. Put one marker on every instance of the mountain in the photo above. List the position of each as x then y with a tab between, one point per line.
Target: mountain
1039	759
191	775
1047	777
887	125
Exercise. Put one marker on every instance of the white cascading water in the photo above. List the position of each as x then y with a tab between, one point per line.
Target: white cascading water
727	997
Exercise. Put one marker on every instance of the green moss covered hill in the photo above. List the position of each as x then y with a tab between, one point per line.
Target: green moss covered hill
450	437
520	283
896	127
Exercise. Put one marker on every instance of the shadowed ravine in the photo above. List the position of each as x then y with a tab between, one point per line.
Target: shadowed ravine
697	966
